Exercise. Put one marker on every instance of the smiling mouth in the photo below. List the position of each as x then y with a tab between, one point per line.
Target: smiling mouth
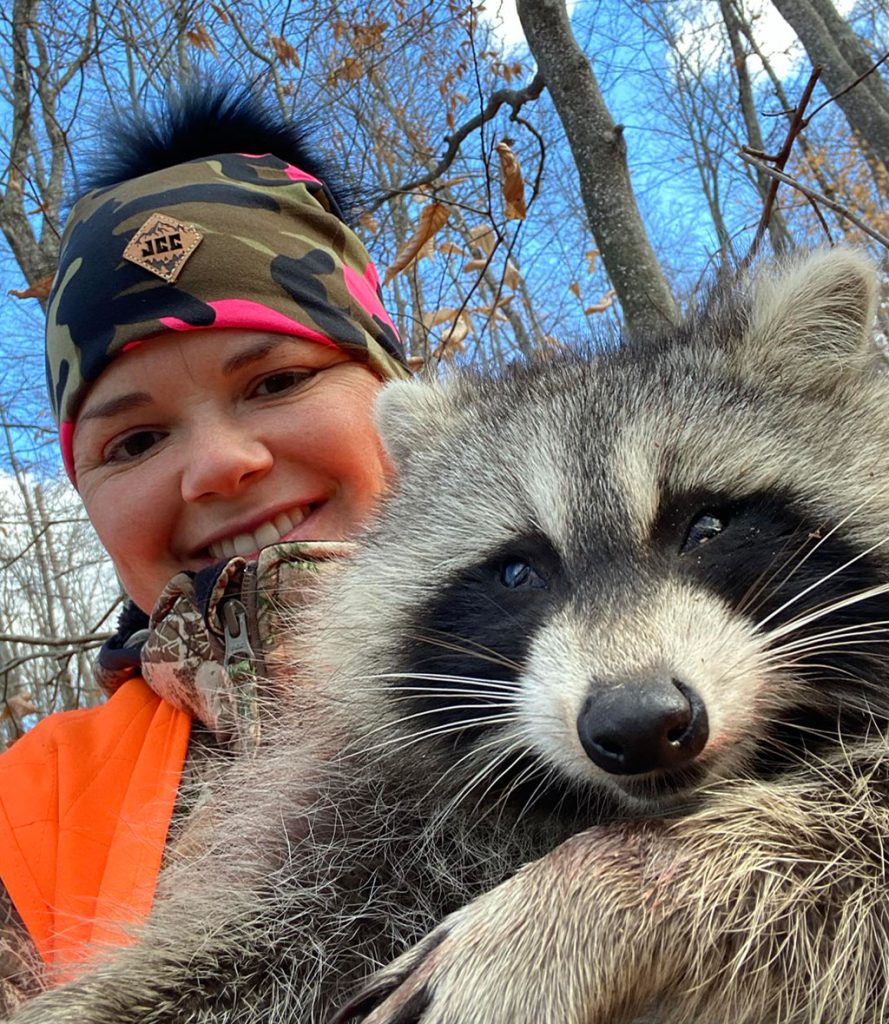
268	533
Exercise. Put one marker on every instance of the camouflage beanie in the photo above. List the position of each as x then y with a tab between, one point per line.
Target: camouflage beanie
225	241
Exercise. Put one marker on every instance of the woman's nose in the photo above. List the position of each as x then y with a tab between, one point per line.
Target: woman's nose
221	461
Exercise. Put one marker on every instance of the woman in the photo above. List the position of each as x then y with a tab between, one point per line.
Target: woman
215	340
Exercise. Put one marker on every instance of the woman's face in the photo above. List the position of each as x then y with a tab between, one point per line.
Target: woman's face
195	447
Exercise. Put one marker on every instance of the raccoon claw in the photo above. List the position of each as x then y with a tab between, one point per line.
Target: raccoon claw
459	974
398	993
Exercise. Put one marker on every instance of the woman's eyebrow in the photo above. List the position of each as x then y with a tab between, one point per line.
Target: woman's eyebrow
253	354
113	406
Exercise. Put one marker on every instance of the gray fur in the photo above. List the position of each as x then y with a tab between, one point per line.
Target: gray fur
738	897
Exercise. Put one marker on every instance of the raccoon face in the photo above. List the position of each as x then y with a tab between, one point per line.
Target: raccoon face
641	574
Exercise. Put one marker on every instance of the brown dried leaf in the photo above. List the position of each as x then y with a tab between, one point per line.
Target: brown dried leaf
367	220
451	249
603	303
511	275
220	13
451	182
38	290
18	706
433	217
453	340
426	250
199	37
484	237
512	183
285	53
438	316
349	69
475	265
574	288
592	258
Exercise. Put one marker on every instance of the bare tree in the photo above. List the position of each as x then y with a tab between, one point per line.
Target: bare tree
600	152
847	69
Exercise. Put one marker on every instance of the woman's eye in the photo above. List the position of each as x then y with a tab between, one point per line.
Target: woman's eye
514	575
281	382
707	526
133	445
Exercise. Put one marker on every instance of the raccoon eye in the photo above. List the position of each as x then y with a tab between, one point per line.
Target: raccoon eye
520	574
703	529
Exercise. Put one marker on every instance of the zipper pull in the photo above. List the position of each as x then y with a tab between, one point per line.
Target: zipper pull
234	623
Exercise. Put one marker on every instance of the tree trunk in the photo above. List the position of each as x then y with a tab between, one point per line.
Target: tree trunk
779	236
600	153
830	42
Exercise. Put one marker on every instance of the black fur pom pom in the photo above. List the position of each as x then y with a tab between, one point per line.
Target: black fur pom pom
202	119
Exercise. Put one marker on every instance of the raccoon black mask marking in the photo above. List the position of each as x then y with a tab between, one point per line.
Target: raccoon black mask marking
617	589
680	530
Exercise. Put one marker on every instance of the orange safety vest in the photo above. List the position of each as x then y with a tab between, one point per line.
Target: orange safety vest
86	799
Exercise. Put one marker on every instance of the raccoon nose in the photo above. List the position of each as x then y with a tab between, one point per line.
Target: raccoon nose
631	729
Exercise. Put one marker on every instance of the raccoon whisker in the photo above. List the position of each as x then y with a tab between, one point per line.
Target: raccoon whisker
762	585
472	699
491	698
820	540
856	629
492	744
536	763
823	579
486	769
462	645
813	616
833	645
438	730
832	671
441	677
500	801
820	609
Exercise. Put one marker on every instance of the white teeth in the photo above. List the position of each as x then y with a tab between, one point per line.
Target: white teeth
267	533
244	544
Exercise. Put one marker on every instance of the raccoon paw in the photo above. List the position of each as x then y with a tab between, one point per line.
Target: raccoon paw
398	993
467	971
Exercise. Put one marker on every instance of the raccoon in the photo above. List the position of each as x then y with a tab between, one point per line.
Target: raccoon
623	619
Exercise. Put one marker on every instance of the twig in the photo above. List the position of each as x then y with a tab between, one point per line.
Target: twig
850	86
8	666
87	640
797	124
514	98
817	197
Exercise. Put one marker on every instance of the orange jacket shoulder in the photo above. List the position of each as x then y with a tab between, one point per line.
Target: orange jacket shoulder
86	799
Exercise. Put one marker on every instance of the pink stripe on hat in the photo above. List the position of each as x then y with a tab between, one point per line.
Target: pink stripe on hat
66	439
250	315
363	290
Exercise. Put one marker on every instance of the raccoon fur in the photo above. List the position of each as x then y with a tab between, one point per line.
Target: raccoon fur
622	617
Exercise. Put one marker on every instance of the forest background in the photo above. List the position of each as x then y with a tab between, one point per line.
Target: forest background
529	178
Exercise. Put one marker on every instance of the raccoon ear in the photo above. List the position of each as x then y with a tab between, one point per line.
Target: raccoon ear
813	321
409	413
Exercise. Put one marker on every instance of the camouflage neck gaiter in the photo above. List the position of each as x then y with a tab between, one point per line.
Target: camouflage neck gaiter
226	241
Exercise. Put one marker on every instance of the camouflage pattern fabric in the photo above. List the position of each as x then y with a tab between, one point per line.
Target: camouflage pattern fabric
227	241
185	659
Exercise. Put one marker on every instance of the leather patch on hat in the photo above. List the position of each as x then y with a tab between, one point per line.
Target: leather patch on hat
163	246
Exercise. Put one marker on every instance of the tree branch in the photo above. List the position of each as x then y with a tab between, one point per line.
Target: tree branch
86	640
797	123
817	197
514	98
